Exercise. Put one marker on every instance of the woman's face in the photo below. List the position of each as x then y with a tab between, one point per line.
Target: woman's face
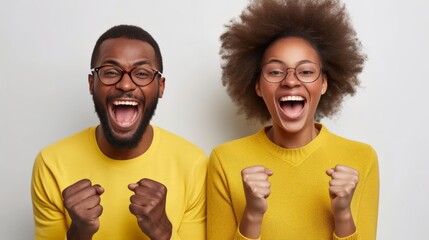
292	103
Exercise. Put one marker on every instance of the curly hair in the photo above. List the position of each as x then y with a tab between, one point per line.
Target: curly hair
323	23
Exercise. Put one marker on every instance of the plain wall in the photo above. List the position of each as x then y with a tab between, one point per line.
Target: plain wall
45	49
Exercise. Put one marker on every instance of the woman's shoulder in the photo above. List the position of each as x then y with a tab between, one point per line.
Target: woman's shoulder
239	144
348	143
352	150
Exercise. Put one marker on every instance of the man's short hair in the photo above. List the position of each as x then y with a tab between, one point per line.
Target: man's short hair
129	32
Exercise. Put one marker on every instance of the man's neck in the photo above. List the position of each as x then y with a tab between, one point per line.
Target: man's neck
124	153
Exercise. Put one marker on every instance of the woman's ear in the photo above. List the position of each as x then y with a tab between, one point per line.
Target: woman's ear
258	89
324	84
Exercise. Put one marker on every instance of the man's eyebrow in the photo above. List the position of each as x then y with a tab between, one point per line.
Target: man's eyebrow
114	62
111	61
142	62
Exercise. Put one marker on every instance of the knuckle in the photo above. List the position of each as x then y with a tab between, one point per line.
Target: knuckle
74	209
163	189
159	194
245	178
92	191
65	193
346	190
85	181
142	181
154	202
67	202
131	208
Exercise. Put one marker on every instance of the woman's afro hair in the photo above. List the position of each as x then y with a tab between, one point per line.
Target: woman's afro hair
323	23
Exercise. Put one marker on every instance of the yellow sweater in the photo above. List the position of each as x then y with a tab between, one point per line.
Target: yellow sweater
171	160
299	203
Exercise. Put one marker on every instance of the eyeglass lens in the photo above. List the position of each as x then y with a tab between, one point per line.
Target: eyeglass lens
141	76
277	72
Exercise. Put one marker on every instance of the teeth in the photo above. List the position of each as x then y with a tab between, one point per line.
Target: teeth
128	103
291	98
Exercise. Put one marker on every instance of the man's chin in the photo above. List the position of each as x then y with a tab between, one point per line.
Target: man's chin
127	143
119	140
126	140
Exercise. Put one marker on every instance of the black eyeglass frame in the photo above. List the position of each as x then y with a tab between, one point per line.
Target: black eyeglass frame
97	69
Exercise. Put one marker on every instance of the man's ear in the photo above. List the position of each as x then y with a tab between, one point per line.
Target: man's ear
161	86
258	89
91	83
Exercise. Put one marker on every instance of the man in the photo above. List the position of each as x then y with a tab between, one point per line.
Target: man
111	181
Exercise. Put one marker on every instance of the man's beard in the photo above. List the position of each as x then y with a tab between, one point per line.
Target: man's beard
136	137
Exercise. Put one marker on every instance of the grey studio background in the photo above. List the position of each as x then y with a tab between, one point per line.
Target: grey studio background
45	49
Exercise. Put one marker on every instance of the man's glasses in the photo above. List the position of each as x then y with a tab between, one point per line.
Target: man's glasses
141	76
275	72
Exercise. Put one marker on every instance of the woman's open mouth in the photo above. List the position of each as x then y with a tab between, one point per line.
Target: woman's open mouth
292	106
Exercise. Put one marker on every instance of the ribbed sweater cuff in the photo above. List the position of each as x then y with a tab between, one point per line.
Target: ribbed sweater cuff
354	236
239	236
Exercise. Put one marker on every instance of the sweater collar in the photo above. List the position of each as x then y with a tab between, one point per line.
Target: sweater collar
294	156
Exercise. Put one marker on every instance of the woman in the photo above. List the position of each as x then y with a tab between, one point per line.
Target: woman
292	62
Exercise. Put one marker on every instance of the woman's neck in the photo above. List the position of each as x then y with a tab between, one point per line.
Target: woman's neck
292	140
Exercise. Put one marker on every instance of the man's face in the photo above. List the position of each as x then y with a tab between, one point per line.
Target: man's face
125	109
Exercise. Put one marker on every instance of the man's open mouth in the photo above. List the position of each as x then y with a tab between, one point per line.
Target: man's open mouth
125	112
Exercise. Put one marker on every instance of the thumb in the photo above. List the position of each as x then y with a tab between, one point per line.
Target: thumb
98	189
329	172
133	186
268	172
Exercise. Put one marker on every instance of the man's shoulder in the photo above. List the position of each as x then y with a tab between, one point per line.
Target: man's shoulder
81	138
69	150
